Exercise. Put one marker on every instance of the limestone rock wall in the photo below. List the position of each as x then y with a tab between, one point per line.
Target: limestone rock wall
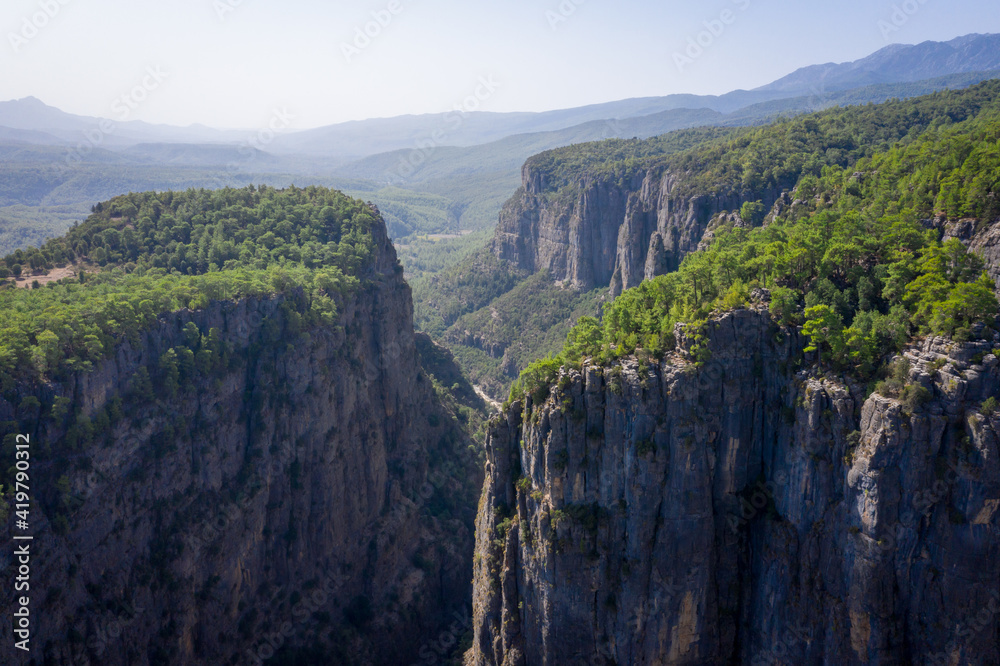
745	511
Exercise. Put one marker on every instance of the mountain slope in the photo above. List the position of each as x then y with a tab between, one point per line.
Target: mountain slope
32	114
618	212
469	183
479	179
357	139
241	457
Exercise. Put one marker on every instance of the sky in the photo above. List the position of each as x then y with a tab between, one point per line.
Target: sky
236	63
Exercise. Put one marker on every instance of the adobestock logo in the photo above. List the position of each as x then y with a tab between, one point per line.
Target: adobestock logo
562	13
901	15
705	39
130	101
225	7
122	107
280	120
455	118
32	25
366	34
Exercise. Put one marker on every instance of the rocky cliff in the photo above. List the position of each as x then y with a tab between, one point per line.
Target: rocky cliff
744	511
982	239
310	499
608	230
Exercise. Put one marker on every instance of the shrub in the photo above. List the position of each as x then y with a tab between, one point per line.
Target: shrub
913	396
615	384
502	530
897	376
989	406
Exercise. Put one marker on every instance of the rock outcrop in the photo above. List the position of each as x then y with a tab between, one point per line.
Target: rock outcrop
982	239
311	499
745	511
605	231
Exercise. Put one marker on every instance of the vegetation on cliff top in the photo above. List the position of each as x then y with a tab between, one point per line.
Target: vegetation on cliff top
749	162
159	252
561	169
854	260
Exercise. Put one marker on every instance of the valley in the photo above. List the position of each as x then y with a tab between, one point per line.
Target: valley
676	380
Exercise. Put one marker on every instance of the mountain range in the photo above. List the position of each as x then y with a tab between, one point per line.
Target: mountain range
893	64
432	173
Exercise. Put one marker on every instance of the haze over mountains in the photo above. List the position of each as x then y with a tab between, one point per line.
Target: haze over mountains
894	64
429	173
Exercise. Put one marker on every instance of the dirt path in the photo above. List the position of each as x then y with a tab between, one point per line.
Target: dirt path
53	275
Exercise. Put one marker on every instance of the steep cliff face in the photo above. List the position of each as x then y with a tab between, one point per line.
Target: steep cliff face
744	511
605	231
306	500
980	238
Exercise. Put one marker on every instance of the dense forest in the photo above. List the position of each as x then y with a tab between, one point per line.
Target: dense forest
857	259
29	226
752	160
158	252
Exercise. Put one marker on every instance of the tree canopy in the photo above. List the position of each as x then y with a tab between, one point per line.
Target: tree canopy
164	251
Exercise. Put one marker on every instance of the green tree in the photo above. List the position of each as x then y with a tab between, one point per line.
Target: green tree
584	339
45	354
93	346
170	370
752	212
825	330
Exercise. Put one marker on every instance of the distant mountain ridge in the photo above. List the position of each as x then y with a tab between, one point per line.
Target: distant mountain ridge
514	150
898	63
358	139
30	114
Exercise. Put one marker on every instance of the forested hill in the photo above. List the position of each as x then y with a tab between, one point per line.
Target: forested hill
140	255
749	160
860	256
618	212
227	410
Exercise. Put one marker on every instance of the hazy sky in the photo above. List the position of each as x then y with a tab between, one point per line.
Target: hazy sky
231	63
